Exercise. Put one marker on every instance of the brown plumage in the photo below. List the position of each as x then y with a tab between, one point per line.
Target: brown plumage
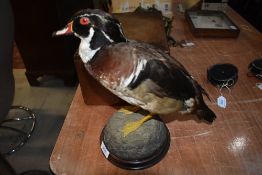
138	73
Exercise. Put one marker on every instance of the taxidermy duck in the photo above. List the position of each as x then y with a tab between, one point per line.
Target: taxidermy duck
139	73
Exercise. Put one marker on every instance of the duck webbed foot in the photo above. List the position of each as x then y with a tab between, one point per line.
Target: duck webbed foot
129	109
132	126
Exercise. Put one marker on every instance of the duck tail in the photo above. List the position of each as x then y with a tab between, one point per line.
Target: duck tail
203	111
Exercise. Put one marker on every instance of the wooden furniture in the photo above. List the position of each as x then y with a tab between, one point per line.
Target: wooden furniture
217	24
137	26
231	145
35	21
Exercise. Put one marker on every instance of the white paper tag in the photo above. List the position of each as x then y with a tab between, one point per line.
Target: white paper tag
233	27
259	85
125	7
187	44
222	102
104	150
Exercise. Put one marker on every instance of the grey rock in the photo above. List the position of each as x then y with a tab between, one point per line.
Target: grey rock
137	145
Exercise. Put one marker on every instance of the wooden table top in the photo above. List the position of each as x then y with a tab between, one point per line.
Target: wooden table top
231	145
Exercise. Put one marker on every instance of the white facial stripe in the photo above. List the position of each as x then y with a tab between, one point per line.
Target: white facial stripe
85	52
107	37
120	29
101	17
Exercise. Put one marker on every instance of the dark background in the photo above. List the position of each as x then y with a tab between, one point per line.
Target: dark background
251	10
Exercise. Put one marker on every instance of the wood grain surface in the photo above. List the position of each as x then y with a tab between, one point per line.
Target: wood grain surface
231	145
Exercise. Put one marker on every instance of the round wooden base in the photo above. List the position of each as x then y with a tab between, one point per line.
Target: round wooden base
128	153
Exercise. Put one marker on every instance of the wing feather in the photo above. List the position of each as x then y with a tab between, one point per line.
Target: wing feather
169	75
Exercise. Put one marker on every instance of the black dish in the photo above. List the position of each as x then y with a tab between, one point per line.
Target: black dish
222	75
255	67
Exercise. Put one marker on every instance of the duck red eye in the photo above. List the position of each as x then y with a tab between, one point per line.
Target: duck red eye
84	21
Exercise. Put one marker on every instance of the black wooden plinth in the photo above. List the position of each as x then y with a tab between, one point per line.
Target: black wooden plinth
140	149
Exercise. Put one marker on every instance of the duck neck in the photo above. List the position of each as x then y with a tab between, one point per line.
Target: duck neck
96	39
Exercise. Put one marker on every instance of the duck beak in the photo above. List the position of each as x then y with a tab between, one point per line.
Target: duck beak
65	31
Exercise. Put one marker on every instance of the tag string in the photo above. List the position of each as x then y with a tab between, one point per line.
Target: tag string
250	74
226	84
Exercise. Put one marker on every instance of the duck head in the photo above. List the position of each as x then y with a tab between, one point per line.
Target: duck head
95	28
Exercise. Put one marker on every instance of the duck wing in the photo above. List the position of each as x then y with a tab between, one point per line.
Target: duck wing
146	76
168	76
170	79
